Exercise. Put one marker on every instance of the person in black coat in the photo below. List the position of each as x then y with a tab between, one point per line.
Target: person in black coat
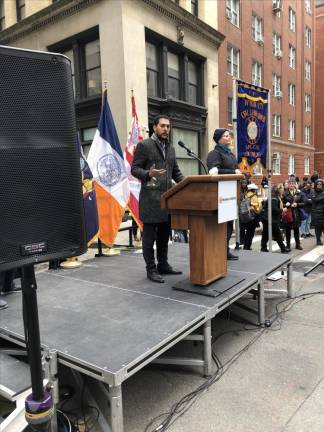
318	210
222	161
306	195
156	166
276	211
292	199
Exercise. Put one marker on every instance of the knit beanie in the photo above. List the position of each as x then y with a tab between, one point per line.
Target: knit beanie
218	134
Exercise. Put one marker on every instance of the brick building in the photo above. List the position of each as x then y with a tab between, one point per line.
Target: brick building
319	84
271	44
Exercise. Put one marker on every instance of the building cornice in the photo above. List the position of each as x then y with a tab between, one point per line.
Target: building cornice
291	144
185	19
49	15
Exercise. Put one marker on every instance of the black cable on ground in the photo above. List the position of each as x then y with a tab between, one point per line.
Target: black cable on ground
184	404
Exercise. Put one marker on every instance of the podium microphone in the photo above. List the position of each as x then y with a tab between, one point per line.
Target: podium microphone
181	144
193	155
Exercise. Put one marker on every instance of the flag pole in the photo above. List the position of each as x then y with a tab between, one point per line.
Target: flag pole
237	221
269	163
111	251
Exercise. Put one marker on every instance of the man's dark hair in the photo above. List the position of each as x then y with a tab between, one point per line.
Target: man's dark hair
156	119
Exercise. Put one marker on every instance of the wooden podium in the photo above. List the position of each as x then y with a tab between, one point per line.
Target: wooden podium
193	205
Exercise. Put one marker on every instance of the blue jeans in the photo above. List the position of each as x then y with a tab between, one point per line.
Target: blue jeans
305	225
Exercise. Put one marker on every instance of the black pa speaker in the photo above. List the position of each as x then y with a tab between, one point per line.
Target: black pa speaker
41	209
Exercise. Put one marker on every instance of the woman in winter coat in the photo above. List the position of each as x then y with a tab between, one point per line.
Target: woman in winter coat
292	200
318	210
221	160
276	210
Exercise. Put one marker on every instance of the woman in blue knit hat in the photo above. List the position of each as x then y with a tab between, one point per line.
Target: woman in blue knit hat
221	160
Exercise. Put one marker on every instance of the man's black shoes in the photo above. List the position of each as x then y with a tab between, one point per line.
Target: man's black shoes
232	257
154	276
168	270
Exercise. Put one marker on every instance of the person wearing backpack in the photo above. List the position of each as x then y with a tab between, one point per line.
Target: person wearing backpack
276	210
249	211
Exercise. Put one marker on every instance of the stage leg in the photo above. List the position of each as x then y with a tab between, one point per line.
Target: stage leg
51	373
207	349
116	407
261	306
290	288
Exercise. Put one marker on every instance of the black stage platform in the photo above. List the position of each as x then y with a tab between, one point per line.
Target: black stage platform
108	321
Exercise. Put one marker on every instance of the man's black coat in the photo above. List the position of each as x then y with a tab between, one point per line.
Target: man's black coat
148	153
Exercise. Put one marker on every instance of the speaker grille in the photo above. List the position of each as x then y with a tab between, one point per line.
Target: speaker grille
40	179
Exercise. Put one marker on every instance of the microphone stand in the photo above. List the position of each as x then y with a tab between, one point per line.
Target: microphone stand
193	155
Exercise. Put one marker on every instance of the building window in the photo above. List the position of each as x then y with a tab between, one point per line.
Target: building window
92	67
230	110
276	163
276	45
291	164
276	85
308	37
21	9
308	6
308	68
87	135
308	102
292	57
173	73
188	165
233	11
233	61
257	29
292	20
256	73
276	125
152	70
307	133
291	130
173	76
84	52
2	15
194	7
307	165
192	83
291	94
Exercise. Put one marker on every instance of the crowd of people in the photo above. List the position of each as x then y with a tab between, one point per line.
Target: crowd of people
296	206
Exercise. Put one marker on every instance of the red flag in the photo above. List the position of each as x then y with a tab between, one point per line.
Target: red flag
135	135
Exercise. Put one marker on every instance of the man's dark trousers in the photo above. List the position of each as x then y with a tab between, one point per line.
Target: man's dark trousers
161	233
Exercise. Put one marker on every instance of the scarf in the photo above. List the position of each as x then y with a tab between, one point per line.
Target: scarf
224	147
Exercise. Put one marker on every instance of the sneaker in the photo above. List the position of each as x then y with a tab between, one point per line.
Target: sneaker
3	304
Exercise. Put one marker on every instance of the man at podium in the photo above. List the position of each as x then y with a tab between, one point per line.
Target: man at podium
221	160
156	166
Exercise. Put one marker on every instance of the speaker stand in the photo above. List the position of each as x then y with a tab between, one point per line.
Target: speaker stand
39	404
